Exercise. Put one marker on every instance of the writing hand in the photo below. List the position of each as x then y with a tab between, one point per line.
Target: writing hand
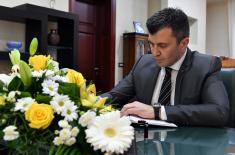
139	109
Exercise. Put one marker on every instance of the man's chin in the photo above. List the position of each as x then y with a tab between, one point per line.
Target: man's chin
161	64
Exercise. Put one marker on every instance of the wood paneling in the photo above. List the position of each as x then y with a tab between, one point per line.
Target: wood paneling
96	54
86	42
134	45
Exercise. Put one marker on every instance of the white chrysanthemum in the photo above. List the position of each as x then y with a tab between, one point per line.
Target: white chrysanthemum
59	102
37	74
74	132
70	141
58	141
50	87
64	124
70	112
65	134
10	133
11	96
110	133
49	73
87	118
23	104
59	78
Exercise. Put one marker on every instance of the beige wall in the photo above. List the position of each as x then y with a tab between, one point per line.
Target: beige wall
153	6
198	12
217	29
127	12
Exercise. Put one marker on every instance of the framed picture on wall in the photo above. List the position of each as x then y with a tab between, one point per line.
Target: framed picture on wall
138	27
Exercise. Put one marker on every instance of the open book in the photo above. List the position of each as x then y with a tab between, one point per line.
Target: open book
135	119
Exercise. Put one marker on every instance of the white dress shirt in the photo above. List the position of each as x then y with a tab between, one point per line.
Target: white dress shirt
175	68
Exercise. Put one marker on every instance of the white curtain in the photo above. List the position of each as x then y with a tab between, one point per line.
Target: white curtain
231	27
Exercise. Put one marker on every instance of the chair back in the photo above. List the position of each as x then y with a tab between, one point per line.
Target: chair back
227	75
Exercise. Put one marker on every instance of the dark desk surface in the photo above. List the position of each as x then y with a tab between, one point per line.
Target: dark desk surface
184	141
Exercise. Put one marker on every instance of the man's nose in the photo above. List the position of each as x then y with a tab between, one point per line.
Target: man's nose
155	51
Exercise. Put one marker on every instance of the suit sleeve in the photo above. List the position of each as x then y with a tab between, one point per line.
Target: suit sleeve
124	90
213	108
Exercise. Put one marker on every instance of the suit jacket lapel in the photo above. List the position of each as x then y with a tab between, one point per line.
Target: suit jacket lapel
183	69
152	82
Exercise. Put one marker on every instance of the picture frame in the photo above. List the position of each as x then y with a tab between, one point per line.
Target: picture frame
138	27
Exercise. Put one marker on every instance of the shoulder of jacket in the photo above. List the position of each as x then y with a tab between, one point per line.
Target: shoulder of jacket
204	61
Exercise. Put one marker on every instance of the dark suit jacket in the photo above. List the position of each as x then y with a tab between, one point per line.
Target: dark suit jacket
200	96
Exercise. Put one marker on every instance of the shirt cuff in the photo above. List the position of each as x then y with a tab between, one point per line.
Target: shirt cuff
163	113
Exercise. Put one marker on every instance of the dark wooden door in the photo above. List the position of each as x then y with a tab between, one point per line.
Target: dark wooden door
96	40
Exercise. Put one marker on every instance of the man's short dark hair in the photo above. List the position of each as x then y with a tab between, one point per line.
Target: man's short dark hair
173	18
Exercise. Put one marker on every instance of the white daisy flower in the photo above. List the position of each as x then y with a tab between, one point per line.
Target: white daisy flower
37	74
10	133
50	87
59	102
110	133
23	104
54	65
70	112
87	118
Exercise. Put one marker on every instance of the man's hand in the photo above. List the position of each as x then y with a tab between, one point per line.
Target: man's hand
139	109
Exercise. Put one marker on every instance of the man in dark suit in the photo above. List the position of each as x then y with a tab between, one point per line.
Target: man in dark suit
173	83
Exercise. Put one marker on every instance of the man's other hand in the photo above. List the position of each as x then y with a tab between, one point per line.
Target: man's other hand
139	109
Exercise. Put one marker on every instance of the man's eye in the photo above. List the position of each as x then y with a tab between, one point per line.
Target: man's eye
151	44
163	46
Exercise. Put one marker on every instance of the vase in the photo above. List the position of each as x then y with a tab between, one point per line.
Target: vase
53	37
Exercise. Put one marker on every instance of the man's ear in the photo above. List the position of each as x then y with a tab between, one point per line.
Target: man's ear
184	43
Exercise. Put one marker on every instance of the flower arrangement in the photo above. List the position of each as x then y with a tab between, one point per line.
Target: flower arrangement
42	106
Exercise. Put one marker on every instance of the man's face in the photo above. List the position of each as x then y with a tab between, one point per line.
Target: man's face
165	48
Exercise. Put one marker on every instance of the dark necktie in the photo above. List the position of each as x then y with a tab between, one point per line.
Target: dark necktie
165	92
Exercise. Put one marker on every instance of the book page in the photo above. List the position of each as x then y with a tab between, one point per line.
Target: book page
135	119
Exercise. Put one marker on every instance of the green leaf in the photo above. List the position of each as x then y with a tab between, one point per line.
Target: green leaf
16	84
43	98
52	150
1	86
70	89
25	94
15	57
25	73
33	46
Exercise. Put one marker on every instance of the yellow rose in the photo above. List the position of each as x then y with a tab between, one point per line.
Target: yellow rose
75	77
2	100
39	115
39	62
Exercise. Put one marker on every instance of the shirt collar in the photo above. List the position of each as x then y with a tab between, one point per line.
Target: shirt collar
176	66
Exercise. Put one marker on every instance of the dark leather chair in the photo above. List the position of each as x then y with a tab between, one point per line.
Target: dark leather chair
227	75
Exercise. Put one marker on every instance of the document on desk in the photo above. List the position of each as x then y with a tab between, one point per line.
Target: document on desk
135	119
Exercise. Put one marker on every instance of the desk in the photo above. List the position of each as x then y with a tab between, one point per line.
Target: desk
184	141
